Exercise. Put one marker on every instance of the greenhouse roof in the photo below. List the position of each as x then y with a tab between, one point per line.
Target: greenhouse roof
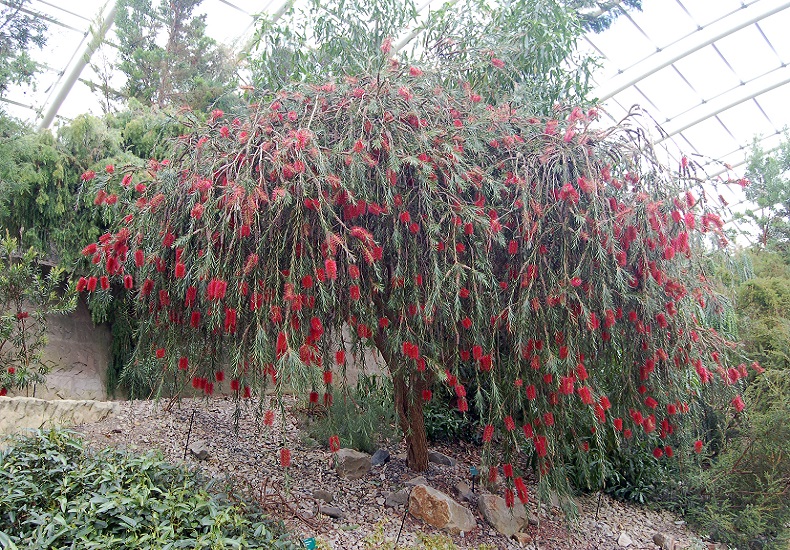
708	76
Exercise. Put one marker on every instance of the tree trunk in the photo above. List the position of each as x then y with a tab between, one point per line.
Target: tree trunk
412	422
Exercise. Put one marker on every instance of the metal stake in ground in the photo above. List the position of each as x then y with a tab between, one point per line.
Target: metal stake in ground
403	520
189	433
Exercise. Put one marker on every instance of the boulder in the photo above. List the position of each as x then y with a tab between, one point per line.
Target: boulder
439	510
380	457
352	464
439	458
523	539
507	521
199	449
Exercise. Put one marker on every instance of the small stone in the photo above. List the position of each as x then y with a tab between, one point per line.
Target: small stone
664	541
380	457
534	520
464	491
331	511
397	498
680	522
321	494
523	538
439	458
624	541
199	449
419	480
352	464
380	501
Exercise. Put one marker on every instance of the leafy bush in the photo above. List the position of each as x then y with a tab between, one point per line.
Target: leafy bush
362	418
55	494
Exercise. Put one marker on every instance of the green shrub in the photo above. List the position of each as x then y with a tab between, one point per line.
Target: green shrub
55	494
363	418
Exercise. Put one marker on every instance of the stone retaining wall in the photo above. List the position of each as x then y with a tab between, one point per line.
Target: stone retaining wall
20	413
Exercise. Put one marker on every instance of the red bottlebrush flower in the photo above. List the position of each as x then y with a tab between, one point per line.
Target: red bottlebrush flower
340	357
235	385
128	282
194	319
464	293
493	473
330	266
197	211
486	363
183	363
88	175
512	247
334	443
285	458
488	433
190	297
414	228
282	344
354	293
576	282
651	403
581	372
671	409
548	419
198	382
247	393
208	387
521	490
510	424
605	403
268	417
414	71
139	258
532	392
738	403
507	469
314	397
467	323
541	446
180	271
460	390
307	281
219	376
82	284
160	353
230	320
698	446
353	271
327	377
92	281
669	452
463	406
662	320
104	282
89	250
563	352
658	452
618	424
427	395
528	432
548	378
460	248
477	352
585	395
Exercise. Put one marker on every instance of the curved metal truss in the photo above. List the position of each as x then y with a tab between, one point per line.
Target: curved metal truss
711	76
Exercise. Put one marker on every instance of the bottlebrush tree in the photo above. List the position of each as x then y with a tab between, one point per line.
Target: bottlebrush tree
549	264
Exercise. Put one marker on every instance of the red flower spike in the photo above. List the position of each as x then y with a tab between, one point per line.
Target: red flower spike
285	458
268	418
488	433
510	424
507	469
235	384
427	395
183	363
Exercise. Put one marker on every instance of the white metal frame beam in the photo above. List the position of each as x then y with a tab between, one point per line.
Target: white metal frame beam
704	36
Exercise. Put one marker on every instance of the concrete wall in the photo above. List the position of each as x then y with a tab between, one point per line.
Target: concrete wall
80	353
20	413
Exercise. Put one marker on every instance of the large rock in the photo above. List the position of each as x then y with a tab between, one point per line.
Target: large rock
380	457
507	521
397	498
437	509
352	464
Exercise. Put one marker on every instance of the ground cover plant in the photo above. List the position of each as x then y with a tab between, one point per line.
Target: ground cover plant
55	494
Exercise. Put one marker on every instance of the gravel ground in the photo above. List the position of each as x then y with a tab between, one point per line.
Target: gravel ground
251	458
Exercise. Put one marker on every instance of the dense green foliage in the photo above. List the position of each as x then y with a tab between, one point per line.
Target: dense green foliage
55	494
19	32
190	69
535	39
